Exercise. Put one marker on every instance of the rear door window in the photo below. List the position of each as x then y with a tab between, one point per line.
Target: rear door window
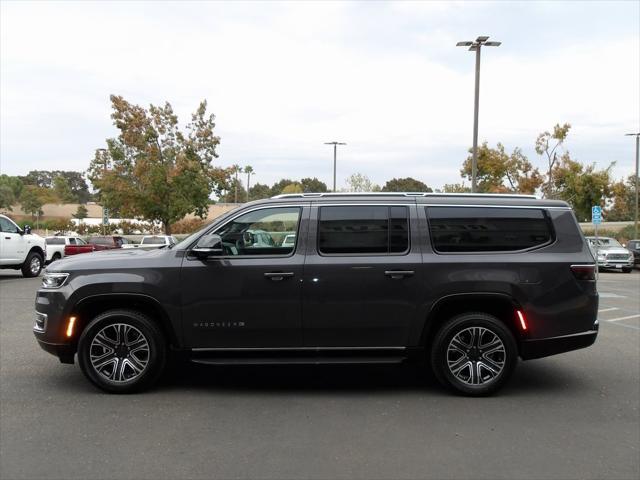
483	229
363	229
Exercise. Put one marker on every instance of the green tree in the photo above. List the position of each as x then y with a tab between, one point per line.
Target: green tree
259	191
407	184
580	186
499	172
623	195
279	186
81	213
358	182
248	170
292	188
31	200
547	145
155	170
47	179
313	185
10	190
455	188
63	190
235	190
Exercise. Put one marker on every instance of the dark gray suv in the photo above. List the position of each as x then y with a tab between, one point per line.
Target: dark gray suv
467	282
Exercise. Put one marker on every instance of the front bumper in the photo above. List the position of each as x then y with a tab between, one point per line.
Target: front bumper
544	347
615	263
64	351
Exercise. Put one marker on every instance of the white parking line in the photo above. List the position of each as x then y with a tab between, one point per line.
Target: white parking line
623	318
610	295
608	309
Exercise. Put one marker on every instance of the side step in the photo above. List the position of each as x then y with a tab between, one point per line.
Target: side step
311	356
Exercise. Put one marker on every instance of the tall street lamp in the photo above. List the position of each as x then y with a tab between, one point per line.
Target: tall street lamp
103	152
476	47
635	217
335	146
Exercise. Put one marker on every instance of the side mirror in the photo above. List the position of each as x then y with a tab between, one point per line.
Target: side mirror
208	245
26	230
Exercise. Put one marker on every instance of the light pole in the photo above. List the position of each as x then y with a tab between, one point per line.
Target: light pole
335	146
476	47
635	217
103	152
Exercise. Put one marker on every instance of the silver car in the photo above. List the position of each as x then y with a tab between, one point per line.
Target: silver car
611	254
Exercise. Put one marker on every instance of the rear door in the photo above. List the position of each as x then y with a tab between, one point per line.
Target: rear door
361	279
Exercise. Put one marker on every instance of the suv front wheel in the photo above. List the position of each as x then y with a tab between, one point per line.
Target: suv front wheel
122	351
474	353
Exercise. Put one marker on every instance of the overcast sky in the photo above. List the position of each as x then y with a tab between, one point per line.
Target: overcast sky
282	78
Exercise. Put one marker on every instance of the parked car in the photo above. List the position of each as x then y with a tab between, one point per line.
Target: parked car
610	254
468	282
95	244
56	245
634	247
289	240
157	241
20	249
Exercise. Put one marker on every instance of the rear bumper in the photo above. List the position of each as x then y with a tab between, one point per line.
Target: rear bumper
531	349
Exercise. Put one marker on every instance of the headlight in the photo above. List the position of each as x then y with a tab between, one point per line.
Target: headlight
54	280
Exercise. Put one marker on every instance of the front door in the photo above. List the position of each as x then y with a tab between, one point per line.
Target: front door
12	243
362	276
249	297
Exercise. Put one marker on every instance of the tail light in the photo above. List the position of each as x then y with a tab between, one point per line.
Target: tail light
584	272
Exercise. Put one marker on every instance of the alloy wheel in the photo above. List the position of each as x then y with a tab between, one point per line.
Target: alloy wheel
119	352
34	265
476	356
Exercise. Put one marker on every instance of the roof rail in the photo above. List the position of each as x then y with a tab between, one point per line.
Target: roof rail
405	194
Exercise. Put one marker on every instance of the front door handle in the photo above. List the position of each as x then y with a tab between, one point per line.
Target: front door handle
7	238
399	273
278	276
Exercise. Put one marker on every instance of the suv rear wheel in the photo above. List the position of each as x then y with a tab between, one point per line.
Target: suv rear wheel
122	351
474	353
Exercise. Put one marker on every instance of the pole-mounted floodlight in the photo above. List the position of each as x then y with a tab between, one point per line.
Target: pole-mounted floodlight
335	146
635	217
476	47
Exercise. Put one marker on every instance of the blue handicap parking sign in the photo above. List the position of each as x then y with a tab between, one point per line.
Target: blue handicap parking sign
596	214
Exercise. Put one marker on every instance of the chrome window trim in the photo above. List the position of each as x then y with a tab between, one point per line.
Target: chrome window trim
243	212
365	254
552	230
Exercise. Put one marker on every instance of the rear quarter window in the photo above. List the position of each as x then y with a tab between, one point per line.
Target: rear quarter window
482	229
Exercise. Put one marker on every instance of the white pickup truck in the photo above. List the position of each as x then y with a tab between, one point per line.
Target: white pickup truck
56	244
20	249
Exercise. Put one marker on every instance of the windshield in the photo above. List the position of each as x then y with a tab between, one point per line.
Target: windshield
153	241
605	242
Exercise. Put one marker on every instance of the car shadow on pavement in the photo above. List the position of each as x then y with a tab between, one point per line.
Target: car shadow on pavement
538	376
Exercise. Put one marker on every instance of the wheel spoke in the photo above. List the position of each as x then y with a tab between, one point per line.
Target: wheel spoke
121	359
475	355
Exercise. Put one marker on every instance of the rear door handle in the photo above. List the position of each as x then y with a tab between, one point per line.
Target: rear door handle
278	276
399	273
7	238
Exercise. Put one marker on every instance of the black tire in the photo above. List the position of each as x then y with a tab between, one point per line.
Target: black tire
124	369
627	270
478	371
32	266
56	256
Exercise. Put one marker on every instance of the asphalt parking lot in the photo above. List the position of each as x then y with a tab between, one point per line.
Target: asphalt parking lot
570	416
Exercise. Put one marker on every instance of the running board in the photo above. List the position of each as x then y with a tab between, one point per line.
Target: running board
296	360
298	356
